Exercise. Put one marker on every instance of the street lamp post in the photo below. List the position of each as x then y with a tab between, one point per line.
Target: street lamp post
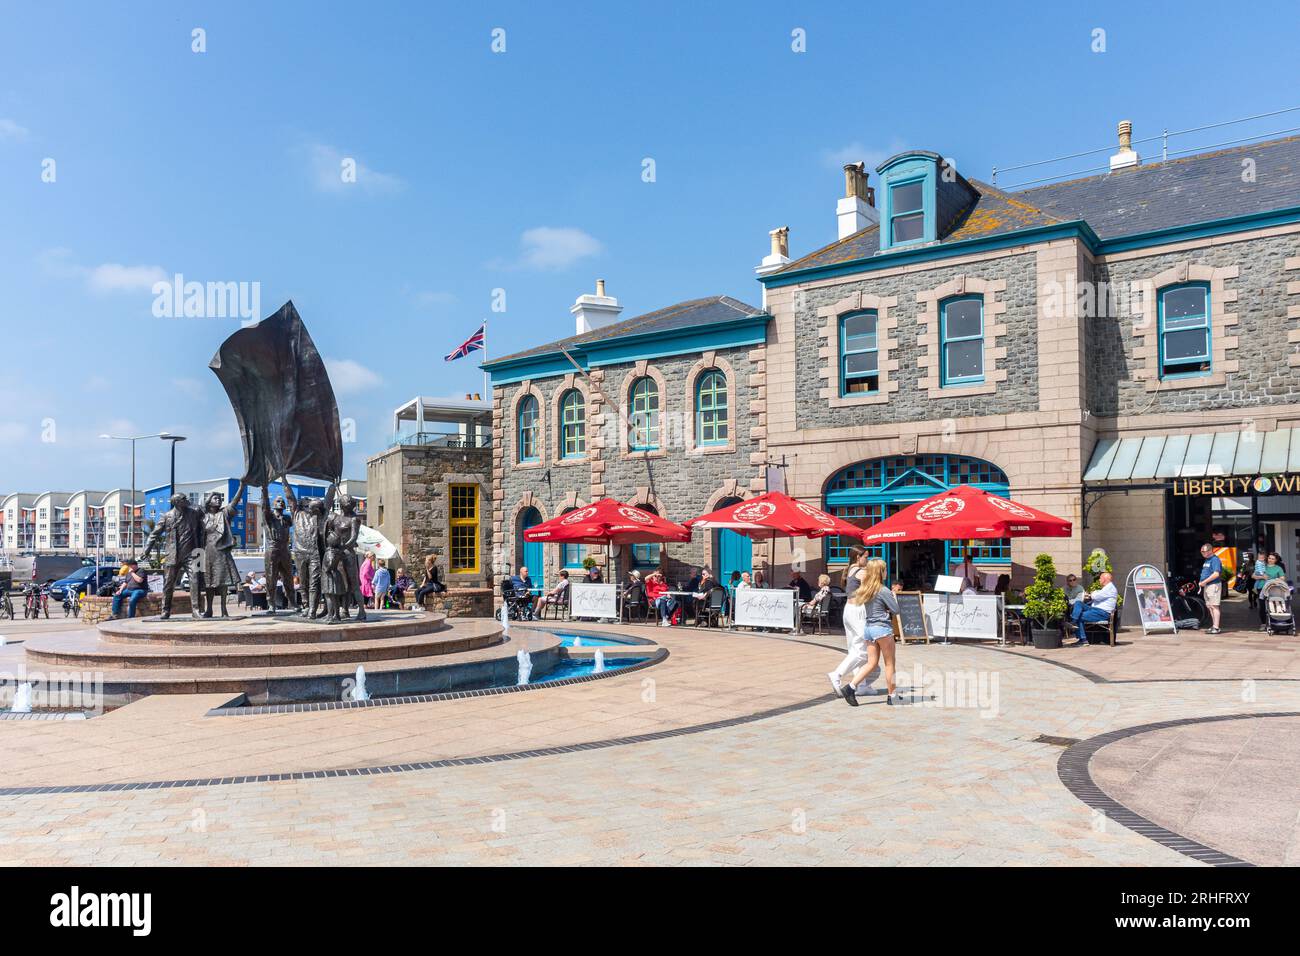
133	439
173	439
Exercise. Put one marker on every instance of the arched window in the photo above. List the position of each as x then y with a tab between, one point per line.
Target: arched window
711	408
859	354
573	425
1185	330
961	340
528	429
643	417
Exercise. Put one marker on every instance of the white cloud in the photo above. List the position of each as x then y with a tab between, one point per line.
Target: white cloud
102	279
556	247
327	168
115	277
434	298
11	130
349	376
856	152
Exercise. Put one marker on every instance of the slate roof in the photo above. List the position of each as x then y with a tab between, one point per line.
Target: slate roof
993	213
1152	196
684	315
1178	192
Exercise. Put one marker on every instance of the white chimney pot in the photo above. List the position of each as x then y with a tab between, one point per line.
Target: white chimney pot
591	312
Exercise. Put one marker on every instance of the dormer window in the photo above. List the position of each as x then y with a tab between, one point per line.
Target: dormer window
907	211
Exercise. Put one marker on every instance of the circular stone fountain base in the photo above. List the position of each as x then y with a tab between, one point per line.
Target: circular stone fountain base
279	659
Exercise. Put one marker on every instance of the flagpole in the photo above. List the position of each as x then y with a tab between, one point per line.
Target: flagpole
485	358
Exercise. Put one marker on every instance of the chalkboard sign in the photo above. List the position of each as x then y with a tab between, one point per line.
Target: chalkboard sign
912	616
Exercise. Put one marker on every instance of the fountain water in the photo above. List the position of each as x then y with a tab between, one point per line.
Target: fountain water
525	666
599	662
22	699
577	641
505	621
358	691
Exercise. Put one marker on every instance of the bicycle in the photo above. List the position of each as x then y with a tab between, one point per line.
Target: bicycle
71	602
6	606
35	600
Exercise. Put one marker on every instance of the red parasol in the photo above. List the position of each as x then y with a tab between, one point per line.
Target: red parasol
963	513
775	515
607	522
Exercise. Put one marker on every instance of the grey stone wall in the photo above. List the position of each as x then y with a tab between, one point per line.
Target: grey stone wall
681	483
411	482
910	403
1264	377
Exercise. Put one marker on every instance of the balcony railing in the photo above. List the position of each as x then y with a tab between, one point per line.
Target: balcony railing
444	439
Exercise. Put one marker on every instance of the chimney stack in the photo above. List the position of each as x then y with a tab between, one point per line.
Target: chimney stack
1126	158
857	210
780	254
591	312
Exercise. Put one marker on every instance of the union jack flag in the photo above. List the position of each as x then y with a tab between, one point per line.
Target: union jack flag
471	344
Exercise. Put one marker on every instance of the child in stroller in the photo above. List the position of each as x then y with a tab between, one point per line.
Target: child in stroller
1276	613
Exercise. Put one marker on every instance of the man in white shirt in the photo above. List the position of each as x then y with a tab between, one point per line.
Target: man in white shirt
970	575
1097	606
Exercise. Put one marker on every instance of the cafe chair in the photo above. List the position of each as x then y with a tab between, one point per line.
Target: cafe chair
712	611
634	604
562	605
819	613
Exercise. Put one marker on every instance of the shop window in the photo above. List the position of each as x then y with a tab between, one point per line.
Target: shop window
464	529
573	425
961	340
643	420
859	354
528	429
711	408
1185	330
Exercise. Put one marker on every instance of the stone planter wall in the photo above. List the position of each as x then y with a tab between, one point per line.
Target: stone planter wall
95	609
458	602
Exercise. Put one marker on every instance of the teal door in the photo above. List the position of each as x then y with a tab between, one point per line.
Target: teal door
735	553
531	554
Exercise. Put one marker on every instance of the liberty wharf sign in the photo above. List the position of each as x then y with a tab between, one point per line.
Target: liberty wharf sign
1234	485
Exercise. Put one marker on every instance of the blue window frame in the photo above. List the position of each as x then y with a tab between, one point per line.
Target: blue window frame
643	420
1184	312
528	429
711	408
907	211
646	555
573	425
859	354
961	340
870	491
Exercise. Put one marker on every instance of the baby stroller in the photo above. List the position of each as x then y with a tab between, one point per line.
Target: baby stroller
1275	608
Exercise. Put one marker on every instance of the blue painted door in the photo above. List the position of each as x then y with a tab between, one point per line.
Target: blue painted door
532	554
735	553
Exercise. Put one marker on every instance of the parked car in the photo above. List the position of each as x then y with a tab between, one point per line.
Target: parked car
84	580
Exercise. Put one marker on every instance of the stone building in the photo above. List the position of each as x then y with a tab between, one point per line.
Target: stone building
429	494
1085	346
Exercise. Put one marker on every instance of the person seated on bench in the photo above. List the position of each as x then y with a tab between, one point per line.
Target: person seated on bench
1097	606
556	595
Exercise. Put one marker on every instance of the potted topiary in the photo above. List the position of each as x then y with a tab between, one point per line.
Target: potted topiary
1045	604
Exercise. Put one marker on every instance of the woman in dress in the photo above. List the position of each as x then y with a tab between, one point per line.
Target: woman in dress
220	576
368	579
869	628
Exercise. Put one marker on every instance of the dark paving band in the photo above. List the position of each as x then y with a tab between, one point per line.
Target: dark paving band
1072	768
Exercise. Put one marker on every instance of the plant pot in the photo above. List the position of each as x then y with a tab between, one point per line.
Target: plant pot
1046	638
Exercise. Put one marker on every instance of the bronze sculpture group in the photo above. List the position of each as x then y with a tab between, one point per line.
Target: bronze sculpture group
323	549
289	422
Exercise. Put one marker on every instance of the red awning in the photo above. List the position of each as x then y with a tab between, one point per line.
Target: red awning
607	522
776	515
965	512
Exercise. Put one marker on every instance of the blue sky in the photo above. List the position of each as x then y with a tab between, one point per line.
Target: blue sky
478	170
